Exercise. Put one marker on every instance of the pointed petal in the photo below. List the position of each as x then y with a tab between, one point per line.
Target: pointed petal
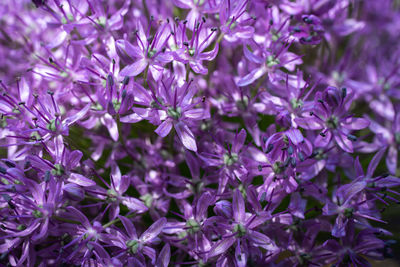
79	215
196	114
129	49
74	158
346	192
344	142
108	121
134	69
185	4
164	256
323	141
129	227
164	128
238	207
358	168
209	55
252	76
186	136
80	180
391	160
134	204
356	123
221	247
240	138
261	240
202	204
339	229
153	231
198	67
252	57
24	91
151	253
375	161
295	136
308	123
77	116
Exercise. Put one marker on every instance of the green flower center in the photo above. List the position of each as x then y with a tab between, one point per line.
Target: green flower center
147	199
193	226
174	113
112	195
348	212
133	246
332	122
239	229
21	227
58	170
272	61
319	154
37	214
52	125
296	103
102	21
278	167
151	53
116	104
230	159
35	136
191	52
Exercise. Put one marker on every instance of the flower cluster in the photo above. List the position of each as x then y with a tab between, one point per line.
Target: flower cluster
198	132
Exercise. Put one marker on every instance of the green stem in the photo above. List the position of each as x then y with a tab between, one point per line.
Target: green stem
146	10
117	220
146	72
119	126
187	72
220	37
65	219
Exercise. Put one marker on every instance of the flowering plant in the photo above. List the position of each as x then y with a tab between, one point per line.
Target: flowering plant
198	132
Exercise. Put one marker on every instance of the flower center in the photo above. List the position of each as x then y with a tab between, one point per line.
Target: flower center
296	103
58	170
147	199
230	159
193	226
348	212
52	125
332	122
174	113
272	61
133	246
239	229
112	195
151	53
37	214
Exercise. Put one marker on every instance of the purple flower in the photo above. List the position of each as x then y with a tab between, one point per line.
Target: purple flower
268	61
330	114
265	168
147	53
134	246
174	107
191	51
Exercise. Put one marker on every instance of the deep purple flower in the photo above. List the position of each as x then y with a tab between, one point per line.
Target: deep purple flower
149	52
330	114
192	51
268	61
